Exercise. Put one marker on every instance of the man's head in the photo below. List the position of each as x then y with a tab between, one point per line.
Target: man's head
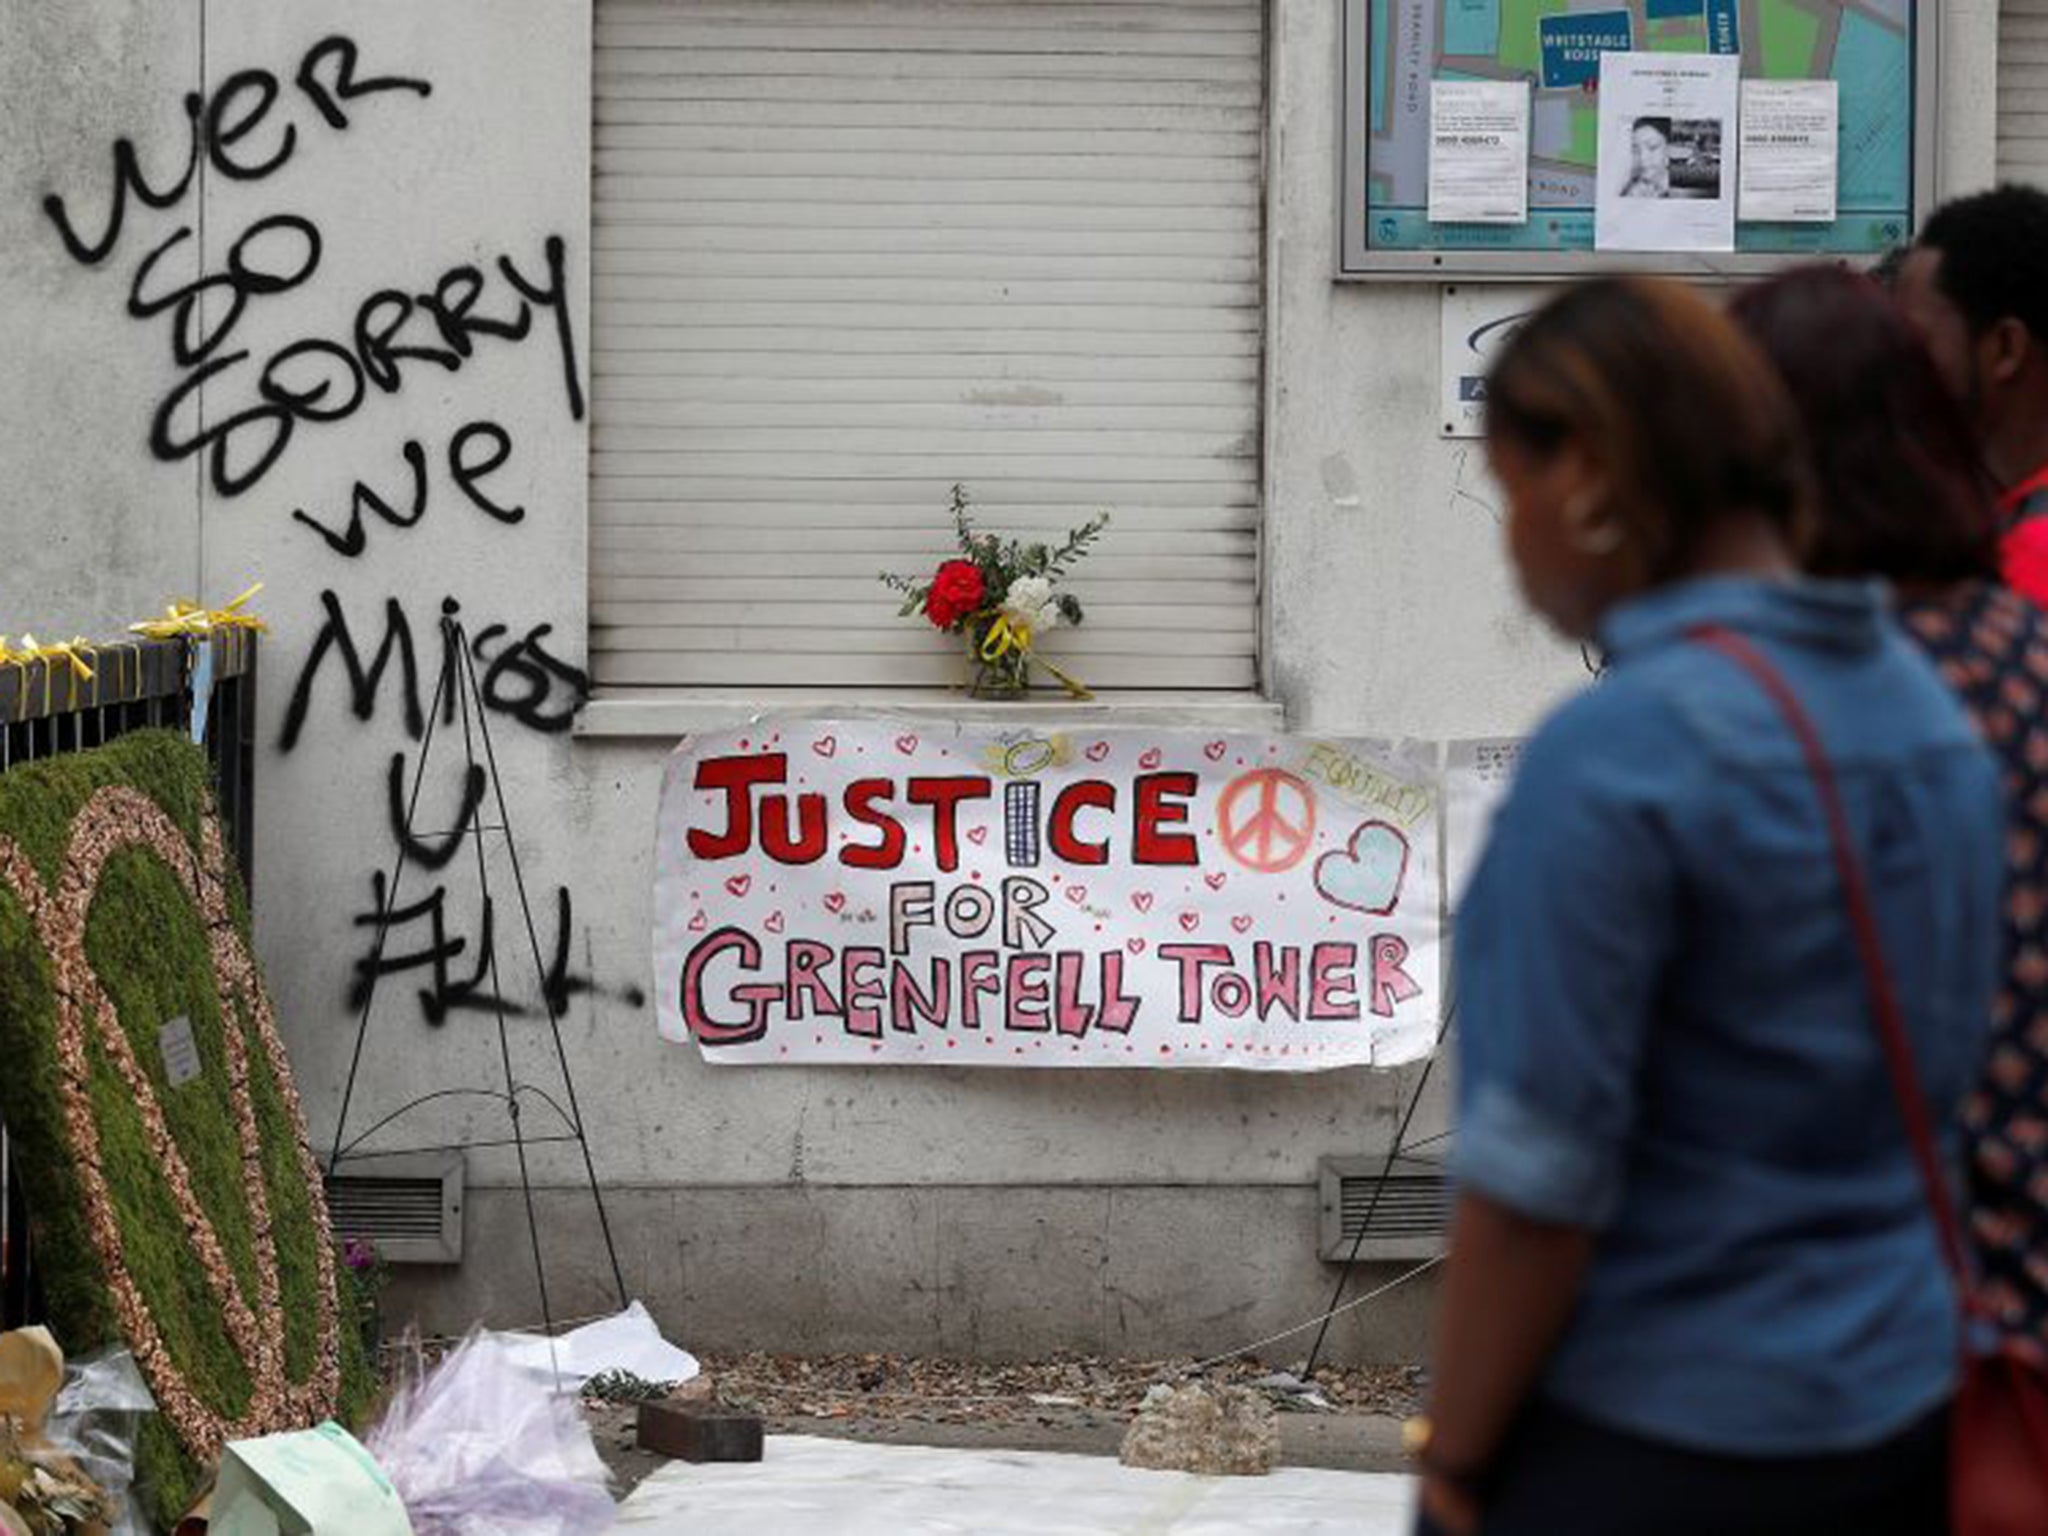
1976	285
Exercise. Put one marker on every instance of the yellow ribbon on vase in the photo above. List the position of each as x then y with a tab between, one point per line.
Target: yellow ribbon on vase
1007	636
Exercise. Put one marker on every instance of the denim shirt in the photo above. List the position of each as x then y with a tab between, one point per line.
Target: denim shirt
1665	1036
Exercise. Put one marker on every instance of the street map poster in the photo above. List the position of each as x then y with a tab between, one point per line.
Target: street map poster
926	893
1401	47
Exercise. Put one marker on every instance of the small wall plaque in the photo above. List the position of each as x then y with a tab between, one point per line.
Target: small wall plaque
181	1051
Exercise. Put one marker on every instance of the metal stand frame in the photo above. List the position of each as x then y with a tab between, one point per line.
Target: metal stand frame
468	707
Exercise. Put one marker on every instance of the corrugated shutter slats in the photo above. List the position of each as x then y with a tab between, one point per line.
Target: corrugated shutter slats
2023	91
848	252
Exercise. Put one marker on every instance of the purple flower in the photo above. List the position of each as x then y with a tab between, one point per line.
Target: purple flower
358	1253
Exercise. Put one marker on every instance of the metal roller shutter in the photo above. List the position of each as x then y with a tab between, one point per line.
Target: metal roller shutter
848	252
2023	91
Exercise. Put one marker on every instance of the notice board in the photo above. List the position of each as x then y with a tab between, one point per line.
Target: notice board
1879	52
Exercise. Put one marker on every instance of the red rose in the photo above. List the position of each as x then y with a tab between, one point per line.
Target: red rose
956	591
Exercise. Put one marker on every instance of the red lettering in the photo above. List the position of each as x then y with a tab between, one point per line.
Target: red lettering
1150	843
1088	794
1333	981
944	797
736	776
861	796
803	962
808	846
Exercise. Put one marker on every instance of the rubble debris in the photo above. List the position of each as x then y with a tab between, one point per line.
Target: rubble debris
1206	1428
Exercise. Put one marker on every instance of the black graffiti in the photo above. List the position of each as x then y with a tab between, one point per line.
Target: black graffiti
521	677
466	470
539	690
319	379
195	334
462	471
326	78
352	540
433	850
448	991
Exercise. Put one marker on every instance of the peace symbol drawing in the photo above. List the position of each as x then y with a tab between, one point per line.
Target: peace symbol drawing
1266	820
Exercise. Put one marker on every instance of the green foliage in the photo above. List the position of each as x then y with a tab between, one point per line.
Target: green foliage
1002	561
148	945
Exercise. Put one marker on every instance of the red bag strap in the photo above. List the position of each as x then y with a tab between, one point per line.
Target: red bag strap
1884	998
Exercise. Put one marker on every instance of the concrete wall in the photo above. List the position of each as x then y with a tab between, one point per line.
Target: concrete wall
1139	1212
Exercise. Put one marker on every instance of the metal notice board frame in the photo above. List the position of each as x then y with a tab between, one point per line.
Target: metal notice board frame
1360	257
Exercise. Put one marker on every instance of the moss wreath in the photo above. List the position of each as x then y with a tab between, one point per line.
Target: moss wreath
99	1078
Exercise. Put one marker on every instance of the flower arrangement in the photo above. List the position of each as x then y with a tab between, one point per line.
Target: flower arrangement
363	1279
1000	594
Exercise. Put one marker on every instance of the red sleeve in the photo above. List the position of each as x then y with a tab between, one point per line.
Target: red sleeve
2023	558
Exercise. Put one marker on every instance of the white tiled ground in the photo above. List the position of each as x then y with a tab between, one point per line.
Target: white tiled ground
842	1488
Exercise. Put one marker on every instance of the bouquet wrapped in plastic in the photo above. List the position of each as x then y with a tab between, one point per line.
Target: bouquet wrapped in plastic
479	1446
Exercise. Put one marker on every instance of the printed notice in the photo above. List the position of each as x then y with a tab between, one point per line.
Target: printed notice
1789	159
1667	122
180	1050
1479	152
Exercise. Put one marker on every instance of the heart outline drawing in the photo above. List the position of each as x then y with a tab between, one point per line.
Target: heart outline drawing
1367	874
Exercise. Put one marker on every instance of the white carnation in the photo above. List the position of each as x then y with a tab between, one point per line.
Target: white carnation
1030	602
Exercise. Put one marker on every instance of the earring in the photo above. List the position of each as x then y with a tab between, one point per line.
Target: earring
1591	530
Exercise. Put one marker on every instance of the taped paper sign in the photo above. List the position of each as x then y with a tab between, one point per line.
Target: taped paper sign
836	891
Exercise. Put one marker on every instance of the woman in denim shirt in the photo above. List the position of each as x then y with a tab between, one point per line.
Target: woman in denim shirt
1693	1286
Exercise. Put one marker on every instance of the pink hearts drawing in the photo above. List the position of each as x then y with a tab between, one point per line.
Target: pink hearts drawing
977	835
1215	750
1150	758
1366	875
825	746
1097	751
772	922
1214	880
835	901
1135	946
1189	921
1077	894
1242	922
739	885
906	745
1142	900
699	922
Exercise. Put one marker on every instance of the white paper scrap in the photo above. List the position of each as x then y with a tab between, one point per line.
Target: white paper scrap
1790	151
1479	152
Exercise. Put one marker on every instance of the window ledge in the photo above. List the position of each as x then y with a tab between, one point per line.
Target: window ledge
672	712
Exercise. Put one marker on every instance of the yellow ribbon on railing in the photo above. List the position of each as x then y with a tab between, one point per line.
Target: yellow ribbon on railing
189	618
1007	635
72	652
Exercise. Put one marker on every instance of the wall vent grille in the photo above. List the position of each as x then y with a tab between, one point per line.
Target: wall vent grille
410	1206
1408	1222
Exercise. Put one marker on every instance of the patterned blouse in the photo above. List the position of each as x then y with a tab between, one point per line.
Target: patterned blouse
1992	646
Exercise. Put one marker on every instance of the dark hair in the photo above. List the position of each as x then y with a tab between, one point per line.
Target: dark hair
1994	256
1661	125
1681	409
1901	486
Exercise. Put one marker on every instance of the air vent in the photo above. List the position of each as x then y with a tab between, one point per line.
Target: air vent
1408	1218
410	1206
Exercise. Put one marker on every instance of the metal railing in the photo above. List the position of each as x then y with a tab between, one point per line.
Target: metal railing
47	710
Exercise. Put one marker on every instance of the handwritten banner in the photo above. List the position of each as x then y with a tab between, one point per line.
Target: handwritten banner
879	891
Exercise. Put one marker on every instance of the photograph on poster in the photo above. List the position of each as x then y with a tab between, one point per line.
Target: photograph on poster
1666	122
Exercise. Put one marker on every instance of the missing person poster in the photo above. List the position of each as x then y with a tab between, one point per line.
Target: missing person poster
1667	141
1788	162
1479	152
